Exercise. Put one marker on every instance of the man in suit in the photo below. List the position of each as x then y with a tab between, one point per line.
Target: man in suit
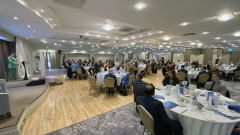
138	86
12	65
111	75
162	123
183	70
209	65
215	85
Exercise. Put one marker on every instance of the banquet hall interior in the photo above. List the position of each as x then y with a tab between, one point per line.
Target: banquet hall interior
124	67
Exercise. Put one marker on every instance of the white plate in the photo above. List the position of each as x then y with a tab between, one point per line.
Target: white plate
209	118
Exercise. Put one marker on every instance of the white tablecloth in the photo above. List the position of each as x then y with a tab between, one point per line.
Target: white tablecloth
191	75
101	75
227	70
193	121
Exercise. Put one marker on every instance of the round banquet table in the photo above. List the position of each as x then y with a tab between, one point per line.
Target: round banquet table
193	121
191	75
227	70
101	75
86	68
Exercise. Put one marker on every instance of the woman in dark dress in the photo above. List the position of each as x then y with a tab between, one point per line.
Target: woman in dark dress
170	79
154	67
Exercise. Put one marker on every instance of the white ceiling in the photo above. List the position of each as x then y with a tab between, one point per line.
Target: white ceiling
158	19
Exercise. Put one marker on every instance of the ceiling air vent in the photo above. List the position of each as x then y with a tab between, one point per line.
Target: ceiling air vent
126	29
189	34
72	3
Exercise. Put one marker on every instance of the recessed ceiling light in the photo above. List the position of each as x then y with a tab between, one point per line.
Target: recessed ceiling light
15	18
133	43
92	46
205	33
28	26
54	24
107	27
224	41
50	19
41	10
140	5
55	43
217	38
192	43
237	34
160	31
199	44
225	17
34	31
63	41
166	38
184	24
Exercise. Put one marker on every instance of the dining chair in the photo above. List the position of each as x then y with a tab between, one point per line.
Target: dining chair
203	79
181	76
79	72
130	71
149	70
236	76
109	83
93	84
146	118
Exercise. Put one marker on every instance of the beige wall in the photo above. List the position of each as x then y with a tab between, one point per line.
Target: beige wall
103	57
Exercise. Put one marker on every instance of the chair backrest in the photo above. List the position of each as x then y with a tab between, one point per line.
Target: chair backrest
79	71
181	76
147	118
194	66
130	71
92	81
131	78
237	73
3	86
109	82
149	69
203	78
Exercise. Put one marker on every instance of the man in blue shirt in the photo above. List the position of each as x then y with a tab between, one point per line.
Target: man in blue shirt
74	67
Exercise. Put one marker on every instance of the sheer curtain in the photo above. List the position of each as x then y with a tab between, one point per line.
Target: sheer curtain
54	62
25	52
5	49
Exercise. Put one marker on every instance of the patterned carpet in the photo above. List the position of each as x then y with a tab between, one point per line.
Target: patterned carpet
121	121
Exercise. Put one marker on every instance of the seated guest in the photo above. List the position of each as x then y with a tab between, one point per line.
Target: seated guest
138	86
89	64
203	71
178	63
69	69
197	64
171	79
74	67
120	67
81	66
163	125
135	71
221	68
172	65
110	70
194	63
146	68
164	69
184	71
216	85
229	76
107	66
209	65
92	68
65	63
124	83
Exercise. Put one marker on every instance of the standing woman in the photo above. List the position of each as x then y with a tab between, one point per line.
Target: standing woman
171	78
162	59
154	67
12	65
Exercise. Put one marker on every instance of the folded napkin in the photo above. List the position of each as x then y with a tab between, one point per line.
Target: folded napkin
121	75
231	103
234	108
227	116
159	96
169	104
